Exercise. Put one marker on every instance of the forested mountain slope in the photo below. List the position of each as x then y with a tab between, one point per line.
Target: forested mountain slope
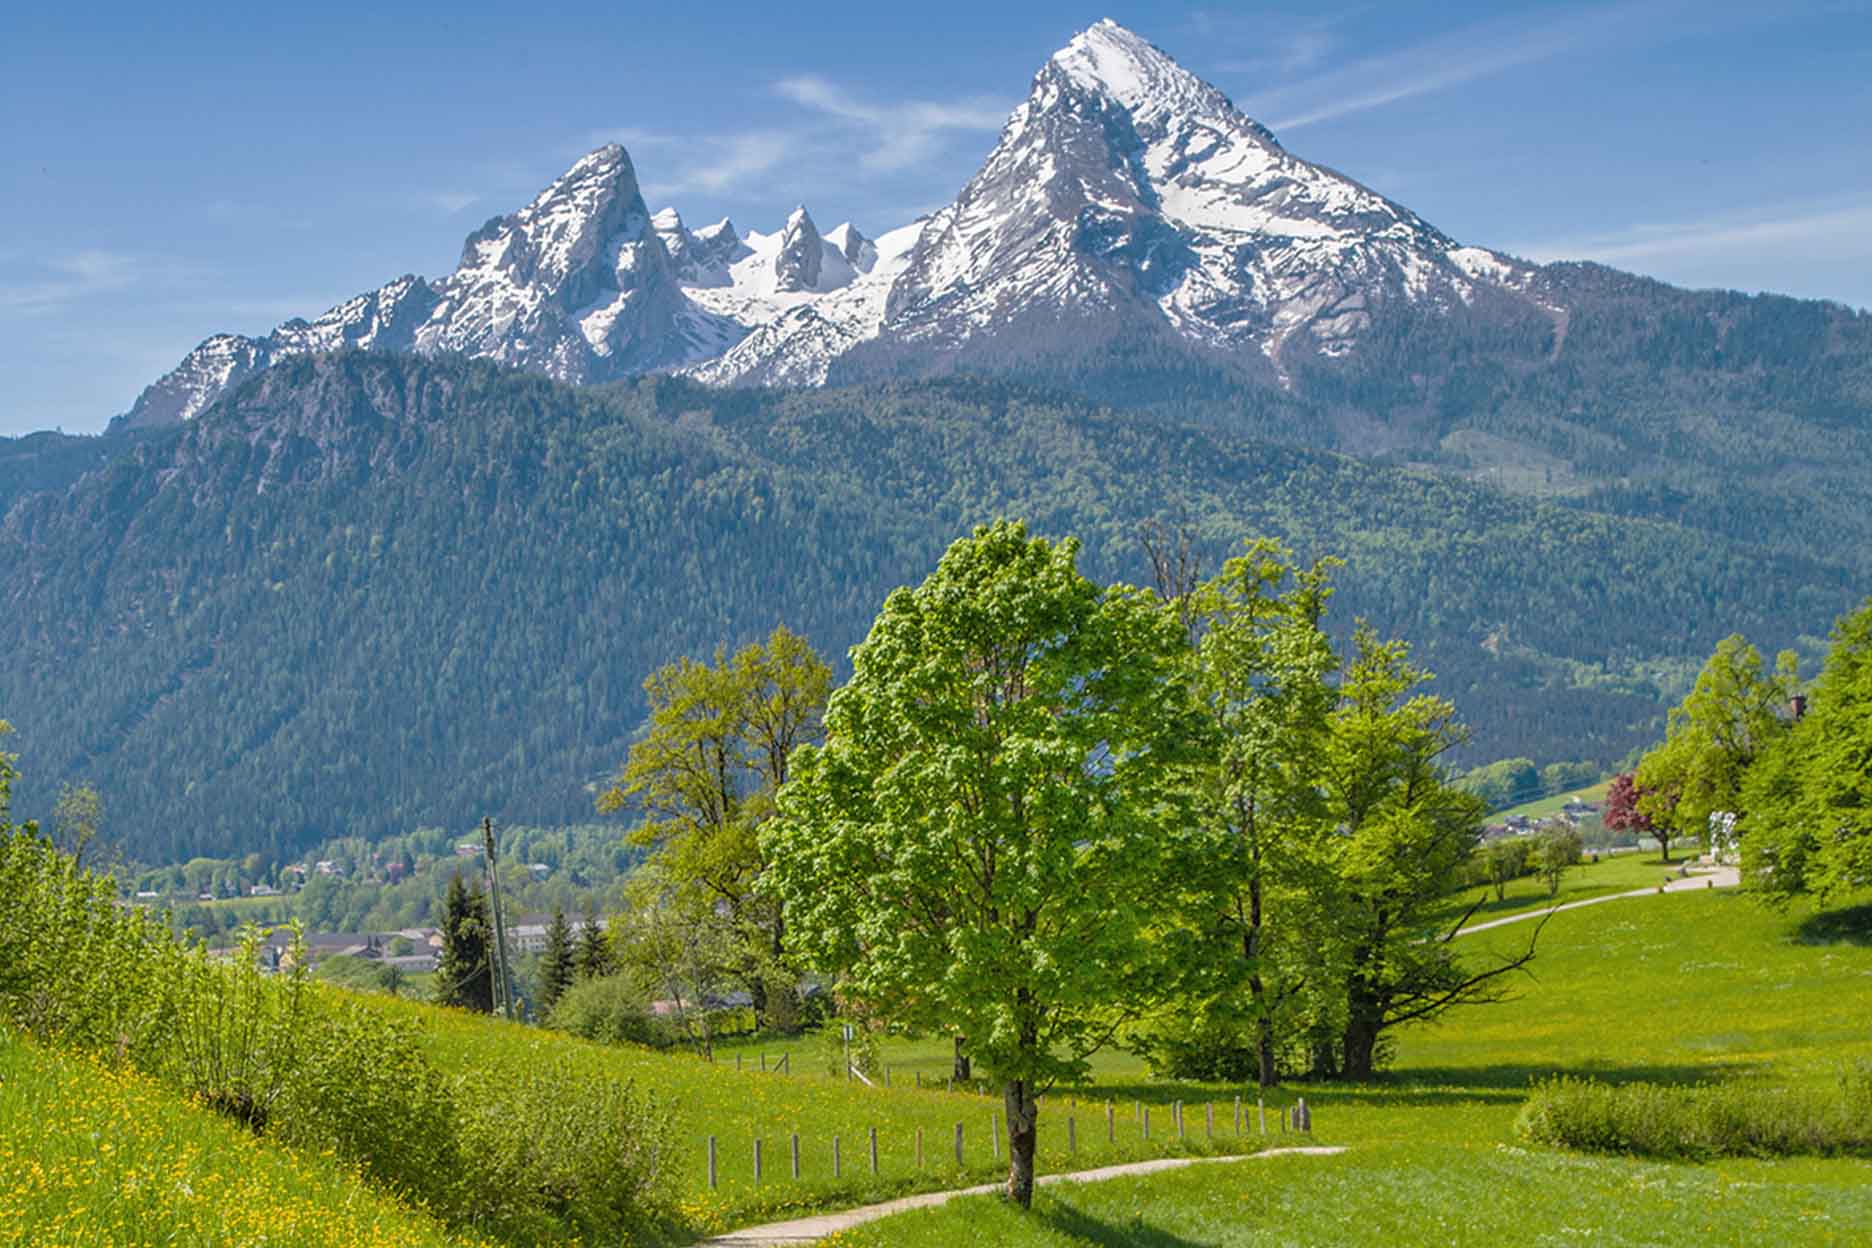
365	592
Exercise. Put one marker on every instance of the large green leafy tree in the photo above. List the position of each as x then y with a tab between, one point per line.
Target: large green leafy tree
463	975
1403	836
1809	796
1735	711
1261	665
981	843
720	742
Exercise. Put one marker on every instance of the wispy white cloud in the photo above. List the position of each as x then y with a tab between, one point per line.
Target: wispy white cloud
718	163
54	280
1840	228
452	202
1263	45
899	134
1481	50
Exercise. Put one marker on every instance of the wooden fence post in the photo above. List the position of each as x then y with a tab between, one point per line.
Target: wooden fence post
994	1133
795	1144
919	1080
1209	1120
757	1162
958	1146
1261	1105
763	1063
1111	1124
874	1163
711	1163
919	1155
838	1163
1176	1113
1145	1120
737	1061
1238	1113
1072	1135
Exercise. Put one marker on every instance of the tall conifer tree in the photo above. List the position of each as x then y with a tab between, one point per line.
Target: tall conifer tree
463	976
556	962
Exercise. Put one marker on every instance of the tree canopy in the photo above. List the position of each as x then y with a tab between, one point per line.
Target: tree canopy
1809	796
720	741
1735	711
981	842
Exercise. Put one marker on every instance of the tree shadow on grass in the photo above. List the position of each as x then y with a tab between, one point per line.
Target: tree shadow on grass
1850	926
1086	1229
1429	1086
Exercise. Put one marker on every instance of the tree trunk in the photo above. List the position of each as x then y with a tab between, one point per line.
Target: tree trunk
1257	987
1023	1116
1264	1050
757	998
1364	1021
963	1066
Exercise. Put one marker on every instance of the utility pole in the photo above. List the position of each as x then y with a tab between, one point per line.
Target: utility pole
503	987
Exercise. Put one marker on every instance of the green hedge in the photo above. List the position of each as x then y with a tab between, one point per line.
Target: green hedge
1703	1121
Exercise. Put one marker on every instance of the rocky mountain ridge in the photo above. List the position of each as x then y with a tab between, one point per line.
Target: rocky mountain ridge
1125	199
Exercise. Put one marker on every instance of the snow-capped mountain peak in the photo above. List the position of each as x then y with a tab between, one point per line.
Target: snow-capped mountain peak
800	260
859	252
1109	60
1126	201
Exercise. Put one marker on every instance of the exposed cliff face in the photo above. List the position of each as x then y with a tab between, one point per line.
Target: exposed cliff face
577	285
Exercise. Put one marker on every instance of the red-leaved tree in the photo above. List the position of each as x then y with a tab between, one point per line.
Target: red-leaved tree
1622	813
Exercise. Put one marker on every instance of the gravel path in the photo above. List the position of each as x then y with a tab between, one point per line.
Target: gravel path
1706	877
812	1230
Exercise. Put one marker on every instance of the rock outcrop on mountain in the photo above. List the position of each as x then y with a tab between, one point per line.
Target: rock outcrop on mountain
578	285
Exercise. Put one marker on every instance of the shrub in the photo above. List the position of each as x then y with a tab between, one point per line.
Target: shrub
611	1009
1559	847
1702	1121
364	1089
553	1141
1506	860
1212	1050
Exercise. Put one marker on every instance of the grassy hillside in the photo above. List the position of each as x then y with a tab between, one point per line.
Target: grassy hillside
96	1158
1546	807
1676	988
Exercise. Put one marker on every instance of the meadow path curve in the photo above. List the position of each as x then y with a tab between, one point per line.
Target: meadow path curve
812	1230
1707	877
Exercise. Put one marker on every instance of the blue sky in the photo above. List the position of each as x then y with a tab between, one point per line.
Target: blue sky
169	174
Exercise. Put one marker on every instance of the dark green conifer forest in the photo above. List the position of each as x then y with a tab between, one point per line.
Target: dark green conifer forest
365	594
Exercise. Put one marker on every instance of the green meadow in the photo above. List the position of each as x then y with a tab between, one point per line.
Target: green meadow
1676	988
1679	988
